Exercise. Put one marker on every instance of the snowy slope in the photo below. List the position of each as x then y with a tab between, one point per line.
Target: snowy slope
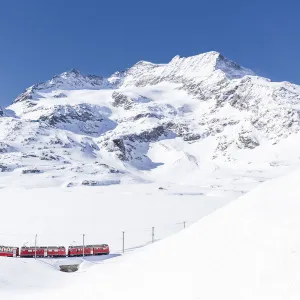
160	144
247	250
176	122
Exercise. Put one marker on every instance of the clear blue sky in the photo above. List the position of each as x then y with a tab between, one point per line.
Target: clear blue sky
39	39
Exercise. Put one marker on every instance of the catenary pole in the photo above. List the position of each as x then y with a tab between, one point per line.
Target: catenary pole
83	245
123	241
35	241
153	234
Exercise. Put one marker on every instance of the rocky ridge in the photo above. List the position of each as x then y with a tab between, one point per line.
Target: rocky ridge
83	127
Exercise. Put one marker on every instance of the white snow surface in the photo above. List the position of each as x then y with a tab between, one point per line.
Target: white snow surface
249	249
61	216
154	145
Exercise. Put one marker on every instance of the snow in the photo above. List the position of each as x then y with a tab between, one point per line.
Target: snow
248	249
154	145
190	121
61	216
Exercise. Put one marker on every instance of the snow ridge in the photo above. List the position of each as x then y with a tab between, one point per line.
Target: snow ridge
66	81
136	124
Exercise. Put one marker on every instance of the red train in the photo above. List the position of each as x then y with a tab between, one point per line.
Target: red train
54	251
88	250
9	251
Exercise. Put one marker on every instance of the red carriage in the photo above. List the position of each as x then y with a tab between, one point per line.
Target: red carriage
9	251
56	251
75	251
88	250
101	249
33	251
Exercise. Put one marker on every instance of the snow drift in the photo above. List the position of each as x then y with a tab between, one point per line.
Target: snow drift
249	249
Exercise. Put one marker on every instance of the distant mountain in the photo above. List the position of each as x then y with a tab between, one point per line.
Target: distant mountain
188	121
67	80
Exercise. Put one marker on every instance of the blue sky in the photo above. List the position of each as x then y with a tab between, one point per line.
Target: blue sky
39	39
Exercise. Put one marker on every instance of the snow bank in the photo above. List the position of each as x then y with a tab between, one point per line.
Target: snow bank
249	249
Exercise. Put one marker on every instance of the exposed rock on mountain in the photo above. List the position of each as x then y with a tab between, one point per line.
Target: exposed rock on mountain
120	100
147	122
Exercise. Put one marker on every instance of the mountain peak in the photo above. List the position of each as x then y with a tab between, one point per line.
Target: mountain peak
209	56
69	80
205	64
72	72
179	69
143	62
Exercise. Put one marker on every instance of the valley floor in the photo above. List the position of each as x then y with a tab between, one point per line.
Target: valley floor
246	249
60	216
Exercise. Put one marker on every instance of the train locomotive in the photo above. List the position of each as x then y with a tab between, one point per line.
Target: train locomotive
54	251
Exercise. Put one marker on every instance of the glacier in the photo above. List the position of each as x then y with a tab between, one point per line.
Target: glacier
182	122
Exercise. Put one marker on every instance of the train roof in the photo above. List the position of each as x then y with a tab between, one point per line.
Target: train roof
89	246
30	248
98	245
57	247
43	247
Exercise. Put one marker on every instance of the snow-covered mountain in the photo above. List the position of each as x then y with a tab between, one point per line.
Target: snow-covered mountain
189	121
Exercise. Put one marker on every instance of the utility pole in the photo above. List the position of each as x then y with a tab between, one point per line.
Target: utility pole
83	245
184	224
123	243
152	234
35	241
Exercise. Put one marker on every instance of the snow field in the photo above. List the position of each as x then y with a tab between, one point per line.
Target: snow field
61	216
249	249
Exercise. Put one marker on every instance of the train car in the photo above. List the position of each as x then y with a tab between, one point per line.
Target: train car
75	251
100	249
9	251
54	251
78	251
30	251
88	250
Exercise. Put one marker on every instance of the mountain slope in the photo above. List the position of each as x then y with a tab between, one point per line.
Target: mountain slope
197	115
247	250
